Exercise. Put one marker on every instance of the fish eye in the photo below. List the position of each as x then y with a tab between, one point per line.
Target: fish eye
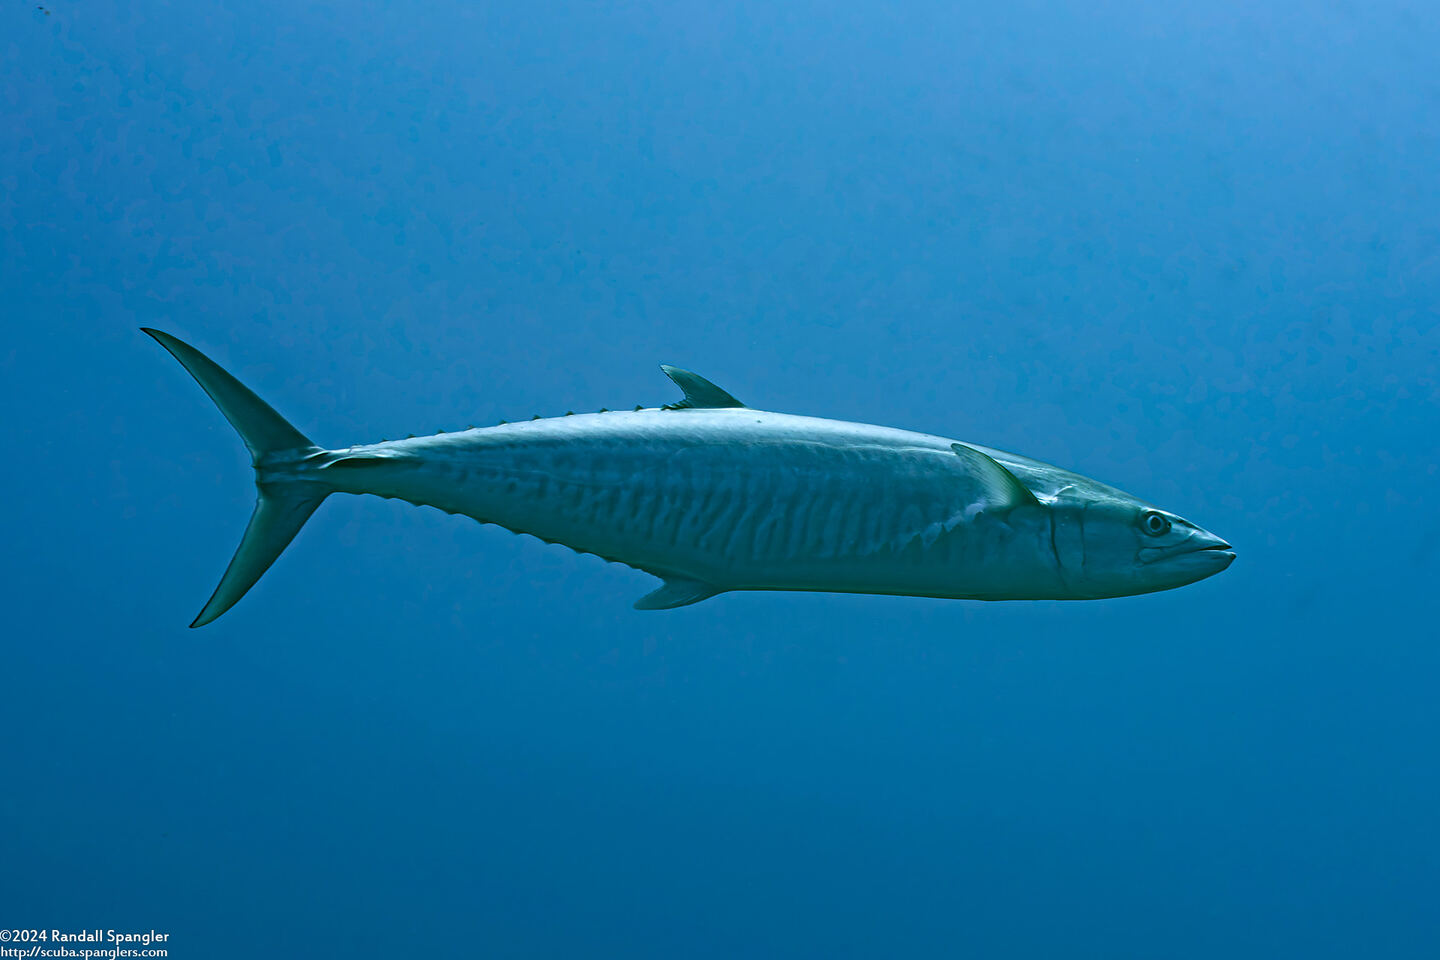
1155	524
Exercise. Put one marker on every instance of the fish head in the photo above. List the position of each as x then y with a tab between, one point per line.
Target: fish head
1116	546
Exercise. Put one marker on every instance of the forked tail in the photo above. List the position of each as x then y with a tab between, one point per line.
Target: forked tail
283	504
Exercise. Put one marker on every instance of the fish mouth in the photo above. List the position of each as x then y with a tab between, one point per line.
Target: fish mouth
1196	558
1208	551
1218	554
1226	555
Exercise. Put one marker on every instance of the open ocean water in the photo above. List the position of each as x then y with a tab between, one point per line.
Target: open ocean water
1190	250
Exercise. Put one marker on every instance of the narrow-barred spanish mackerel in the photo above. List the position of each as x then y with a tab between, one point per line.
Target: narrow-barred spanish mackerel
711	496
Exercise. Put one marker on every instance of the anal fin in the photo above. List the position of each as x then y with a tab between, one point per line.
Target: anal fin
677	592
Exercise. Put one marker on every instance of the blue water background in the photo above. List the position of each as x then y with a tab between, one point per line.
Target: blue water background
1192	250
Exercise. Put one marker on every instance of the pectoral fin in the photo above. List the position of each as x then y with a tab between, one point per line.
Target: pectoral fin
1001	486
677	593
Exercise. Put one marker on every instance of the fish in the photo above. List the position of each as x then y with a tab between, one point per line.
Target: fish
712	496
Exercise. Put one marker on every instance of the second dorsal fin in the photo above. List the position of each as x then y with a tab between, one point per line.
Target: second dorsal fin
699	392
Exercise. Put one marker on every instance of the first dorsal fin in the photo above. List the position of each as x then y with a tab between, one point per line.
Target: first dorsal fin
699	392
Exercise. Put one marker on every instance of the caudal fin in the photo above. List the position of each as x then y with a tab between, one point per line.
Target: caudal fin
282	506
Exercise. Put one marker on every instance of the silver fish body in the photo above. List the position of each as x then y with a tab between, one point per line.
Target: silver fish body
712	496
